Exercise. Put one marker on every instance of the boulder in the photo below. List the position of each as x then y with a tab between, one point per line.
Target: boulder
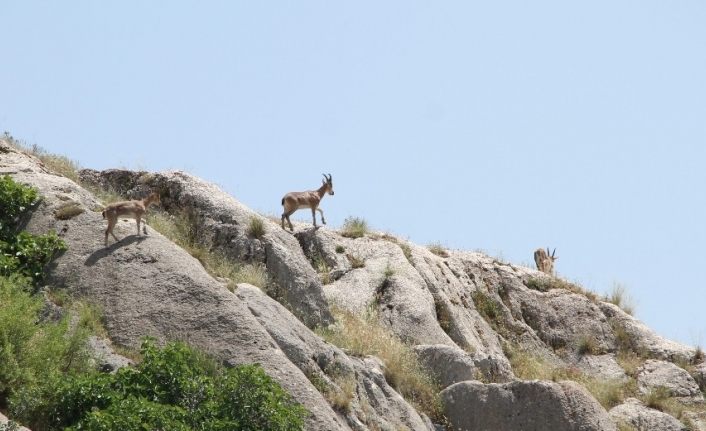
452	365
601	366
523	405
373	403
634	413
654	374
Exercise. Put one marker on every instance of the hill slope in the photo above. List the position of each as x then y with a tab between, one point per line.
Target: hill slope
482	327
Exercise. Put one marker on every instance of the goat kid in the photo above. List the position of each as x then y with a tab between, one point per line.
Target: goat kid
135	209
309	199
545	261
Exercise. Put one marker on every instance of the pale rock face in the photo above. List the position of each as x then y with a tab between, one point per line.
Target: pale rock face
699	375
452	365
374	403
601	366
642	418
655	374
223	227
459	312
527	406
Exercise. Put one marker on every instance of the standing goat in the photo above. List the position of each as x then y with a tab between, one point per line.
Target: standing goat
293	201
545	261
135	209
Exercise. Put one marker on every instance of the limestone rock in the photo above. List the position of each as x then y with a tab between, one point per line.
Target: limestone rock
223	227
699	375
452	365
642	418
661	374
105	358
523	405
601	366
373	403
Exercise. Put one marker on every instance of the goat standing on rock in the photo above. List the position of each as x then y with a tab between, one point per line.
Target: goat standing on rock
293	201
545	261
135	209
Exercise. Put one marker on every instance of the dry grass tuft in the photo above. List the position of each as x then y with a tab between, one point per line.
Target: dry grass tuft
355	261
354	227
182	230
529	366
68	210
364	335
620	297
256	227
438	249
544	284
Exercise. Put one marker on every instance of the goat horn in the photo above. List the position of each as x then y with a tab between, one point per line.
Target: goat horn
553	251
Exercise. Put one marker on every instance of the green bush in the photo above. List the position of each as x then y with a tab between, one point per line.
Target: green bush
28	254
175	388
33	354
16	199
22	252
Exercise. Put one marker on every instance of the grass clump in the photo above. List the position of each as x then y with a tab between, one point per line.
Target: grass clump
529	366
322	268
68	210
587	345
174	387
438	249
354	227
341	396
620	297
364	335
544	284
355	261
182	229
340	249
407	251
256	227
486	306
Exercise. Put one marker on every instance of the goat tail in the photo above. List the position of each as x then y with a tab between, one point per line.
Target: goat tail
103	213
282	201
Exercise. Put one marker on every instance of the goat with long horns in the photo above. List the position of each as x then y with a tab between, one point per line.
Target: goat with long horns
293	201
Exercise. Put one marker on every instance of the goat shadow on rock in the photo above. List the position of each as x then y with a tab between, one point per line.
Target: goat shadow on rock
105	251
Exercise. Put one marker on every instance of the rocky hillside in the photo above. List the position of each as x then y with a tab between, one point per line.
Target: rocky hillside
509	348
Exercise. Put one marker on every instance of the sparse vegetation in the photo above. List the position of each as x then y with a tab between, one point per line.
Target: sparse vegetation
256	227
322	268
68	210
341	396
407	251
544	284
620	297
587	345
443	315
529	366
354	227
486	306
363	335
438	249
340	249
183	230
355	261
698	356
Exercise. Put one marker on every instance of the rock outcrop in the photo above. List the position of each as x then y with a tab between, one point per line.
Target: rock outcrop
527	406
463	313
634	413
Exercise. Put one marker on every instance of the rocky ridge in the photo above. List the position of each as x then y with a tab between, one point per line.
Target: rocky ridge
464	314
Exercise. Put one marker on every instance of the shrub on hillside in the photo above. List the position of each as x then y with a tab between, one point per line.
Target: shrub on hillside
175	388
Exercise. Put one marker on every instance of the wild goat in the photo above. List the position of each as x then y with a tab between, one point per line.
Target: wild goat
293	201
135	209
545	261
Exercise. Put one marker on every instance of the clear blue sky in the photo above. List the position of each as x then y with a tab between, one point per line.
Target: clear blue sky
491	125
